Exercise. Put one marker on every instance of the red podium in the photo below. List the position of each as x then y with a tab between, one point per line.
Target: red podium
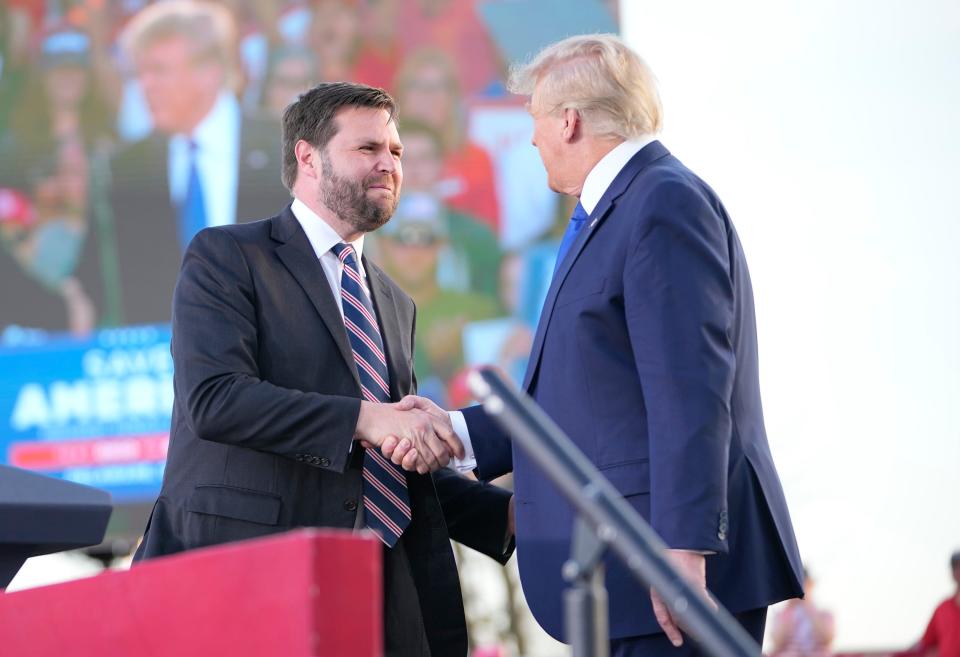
307	593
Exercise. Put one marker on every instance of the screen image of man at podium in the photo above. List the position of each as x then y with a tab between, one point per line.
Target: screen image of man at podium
205	164
646	357
288	347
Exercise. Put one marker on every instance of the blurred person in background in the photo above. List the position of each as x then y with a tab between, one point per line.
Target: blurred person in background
428	90
381	50
335	38
63	100
292	71
293	21
205	164
455	28
942	638
409	249
255	41
33	295
60	127
801	629
17	24
471	261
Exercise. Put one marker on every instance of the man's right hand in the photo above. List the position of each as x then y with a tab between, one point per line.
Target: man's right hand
692	566
431	443
399	449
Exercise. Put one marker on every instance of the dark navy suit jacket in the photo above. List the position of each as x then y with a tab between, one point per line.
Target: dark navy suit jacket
266	403
646	356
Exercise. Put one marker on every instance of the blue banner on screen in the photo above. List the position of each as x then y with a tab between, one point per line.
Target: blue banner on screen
95	411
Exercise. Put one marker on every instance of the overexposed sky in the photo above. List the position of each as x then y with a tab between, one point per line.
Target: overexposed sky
830	130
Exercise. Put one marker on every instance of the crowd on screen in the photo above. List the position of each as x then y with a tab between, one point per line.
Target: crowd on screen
98	137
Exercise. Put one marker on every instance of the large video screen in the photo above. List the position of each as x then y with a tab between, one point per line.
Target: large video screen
119	141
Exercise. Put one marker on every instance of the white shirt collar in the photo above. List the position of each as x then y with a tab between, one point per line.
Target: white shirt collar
601	176
217	130
322	236
218	151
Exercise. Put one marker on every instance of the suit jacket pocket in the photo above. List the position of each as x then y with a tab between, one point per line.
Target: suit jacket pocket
237	503
629	478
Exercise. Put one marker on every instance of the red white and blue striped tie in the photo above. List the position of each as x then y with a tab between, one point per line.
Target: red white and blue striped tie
385	498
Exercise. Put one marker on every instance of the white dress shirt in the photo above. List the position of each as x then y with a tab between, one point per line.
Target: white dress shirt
602	175
217	137
323	238
595	185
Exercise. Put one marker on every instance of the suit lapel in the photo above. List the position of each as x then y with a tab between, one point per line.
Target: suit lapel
301	261
386	308
649	153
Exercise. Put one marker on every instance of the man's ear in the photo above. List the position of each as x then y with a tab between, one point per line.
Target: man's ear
308	159
572	125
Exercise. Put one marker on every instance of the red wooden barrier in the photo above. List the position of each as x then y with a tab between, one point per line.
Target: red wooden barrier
307	593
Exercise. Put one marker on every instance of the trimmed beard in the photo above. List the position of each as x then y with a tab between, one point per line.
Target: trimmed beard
348	200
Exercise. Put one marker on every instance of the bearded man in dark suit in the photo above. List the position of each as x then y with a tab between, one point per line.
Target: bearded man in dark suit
289	348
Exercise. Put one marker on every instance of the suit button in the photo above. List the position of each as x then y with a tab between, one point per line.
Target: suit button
324	461
350	505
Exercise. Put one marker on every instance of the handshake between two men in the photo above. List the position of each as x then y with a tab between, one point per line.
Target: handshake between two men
414	433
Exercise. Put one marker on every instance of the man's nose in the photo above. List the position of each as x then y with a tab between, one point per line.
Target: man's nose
387	163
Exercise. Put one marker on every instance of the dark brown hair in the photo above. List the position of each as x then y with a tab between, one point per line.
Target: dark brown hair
312	117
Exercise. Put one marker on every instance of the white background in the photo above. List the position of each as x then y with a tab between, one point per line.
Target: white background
830	130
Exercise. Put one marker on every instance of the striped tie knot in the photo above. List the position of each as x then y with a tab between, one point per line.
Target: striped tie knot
346	253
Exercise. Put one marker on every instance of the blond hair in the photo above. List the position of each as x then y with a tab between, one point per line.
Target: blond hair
208	29
611	87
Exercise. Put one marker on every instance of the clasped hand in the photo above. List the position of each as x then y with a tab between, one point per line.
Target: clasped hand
414	433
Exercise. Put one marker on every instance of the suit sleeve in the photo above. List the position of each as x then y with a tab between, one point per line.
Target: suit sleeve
216	376
475	513
491	445
678	302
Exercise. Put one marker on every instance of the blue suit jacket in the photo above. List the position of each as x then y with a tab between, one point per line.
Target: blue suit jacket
646	356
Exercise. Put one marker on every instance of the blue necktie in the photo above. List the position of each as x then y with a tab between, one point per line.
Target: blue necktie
576	223
193	212
385	498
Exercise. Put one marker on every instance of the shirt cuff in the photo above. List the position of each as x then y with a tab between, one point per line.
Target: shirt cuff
469	462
